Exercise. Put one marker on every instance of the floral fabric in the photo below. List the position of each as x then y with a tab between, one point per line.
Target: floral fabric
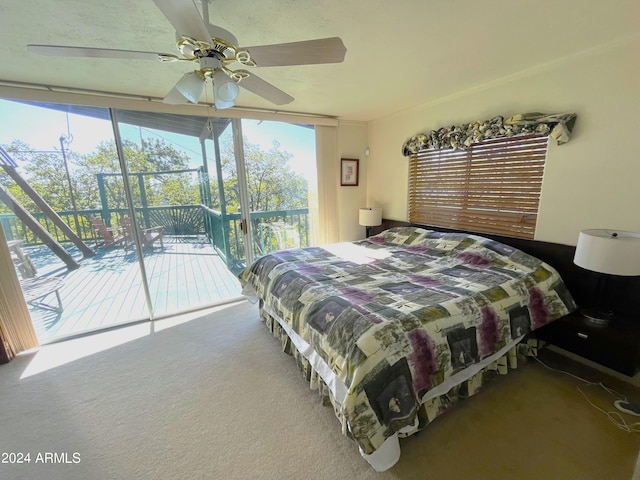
461	137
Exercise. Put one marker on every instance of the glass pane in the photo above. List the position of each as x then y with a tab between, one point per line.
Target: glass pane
65	173
167	167
183	179
281	173
225	213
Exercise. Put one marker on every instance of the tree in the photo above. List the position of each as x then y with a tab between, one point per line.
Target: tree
151	156
272	184
45	172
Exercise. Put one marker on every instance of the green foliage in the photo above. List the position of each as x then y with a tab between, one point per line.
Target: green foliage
46	173
272	184
153	156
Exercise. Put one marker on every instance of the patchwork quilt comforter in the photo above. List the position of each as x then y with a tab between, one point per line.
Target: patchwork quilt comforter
397	314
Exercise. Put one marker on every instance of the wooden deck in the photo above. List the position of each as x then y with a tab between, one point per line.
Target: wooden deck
107	289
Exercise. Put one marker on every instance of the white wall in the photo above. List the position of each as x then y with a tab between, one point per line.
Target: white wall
591	182
352	143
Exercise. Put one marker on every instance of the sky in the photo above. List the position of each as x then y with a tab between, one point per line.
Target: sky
41	128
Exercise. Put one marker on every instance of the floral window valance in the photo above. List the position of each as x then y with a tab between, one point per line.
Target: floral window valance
461	137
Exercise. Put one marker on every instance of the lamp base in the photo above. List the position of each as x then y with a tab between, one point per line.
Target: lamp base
596	317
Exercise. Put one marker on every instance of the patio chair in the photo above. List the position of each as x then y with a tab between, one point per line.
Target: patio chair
111	236
148	236
21	259
37	288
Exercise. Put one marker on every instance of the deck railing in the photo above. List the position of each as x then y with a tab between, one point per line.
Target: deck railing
272	230
176	219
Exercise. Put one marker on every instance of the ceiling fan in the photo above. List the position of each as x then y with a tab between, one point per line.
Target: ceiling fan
214	48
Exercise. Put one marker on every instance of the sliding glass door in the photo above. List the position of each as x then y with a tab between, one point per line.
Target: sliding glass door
158	213
60	168
263	185
272	173
167	159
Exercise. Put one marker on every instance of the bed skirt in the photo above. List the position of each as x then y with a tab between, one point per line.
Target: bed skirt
437	401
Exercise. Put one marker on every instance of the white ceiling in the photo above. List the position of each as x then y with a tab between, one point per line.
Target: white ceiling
400	53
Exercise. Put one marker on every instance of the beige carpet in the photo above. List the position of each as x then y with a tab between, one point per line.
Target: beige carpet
215	398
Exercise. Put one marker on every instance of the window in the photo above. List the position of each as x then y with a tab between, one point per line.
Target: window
493	187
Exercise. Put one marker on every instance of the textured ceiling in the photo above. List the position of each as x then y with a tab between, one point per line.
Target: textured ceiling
400	53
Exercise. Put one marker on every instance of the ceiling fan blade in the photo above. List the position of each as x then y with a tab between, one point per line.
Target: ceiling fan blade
65	51
185	18
265	90
308	52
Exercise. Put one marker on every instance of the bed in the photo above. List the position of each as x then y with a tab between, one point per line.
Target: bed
394	329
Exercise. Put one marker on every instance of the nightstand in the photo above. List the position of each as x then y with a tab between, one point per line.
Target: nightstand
616	345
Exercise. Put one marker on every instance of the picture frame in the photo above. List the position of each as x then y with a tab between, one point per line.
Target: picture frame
349	172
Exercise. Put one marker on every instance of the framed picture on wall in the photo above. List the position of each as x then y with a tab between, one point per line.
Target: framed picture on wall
349	172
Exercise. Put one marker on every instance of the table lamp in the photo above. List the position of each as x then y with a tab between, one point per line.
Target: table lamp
370	217
609	252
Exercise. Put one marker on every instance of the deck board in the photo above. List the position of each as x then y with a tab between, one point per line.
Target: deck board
107	289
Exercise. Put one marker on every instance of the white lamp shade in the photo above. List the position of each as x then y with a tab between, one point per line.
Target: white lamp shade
225	90
191	85
220	105
174	97
609	251
370	217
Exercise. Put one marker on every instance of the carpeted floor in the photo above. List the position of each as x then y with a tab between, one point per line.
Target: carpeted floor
215	398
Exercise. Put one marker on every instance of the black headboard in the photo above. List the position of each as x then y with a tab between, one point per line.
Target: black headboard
622	292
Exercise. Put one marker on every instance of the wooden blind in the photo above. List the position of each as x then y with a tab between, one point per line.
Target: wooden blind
493	187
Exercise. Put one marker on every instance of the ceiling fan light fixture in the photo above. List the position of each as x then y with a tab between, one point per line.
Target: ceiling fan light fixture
227	92
214	48
191	86
220	105
174	97
224	89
